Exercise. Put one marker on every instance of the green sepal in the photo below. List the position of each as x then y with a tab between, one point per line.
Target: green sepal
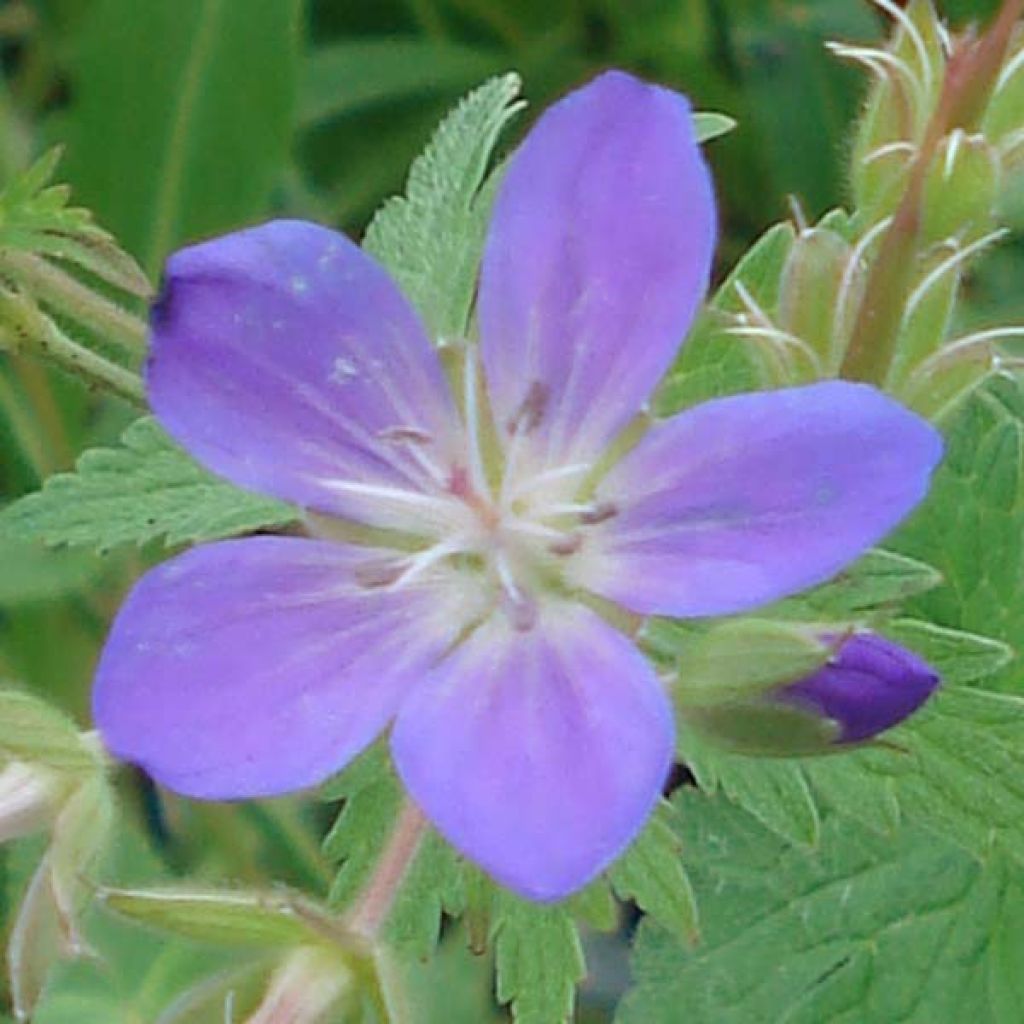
223	918
816	282
713	362
709	125
759	729
1004	117
34	731
960	189
736	660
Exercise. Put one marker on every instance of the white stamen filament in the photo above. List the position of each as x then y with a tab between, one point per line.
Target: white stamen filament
472	414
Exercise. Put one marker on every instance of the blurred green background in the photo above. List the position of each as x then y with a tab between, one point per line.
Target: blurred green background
185	118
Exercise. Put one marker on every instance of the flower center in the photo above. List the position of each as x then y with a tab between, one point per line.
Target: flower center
502	514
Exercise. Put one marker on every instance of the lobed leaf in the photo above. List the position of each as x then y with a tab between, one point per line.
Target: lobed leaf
144	489
867	929
431	238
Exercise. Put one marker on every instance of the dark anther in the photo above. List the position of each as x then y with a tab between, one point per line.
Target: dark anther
379	573
600	512
531	410
404	435
567	545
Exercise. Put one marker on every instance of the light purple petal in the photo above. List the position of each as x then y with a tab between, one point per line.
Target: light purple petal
539	754
744	500
285	359
598	256
258	666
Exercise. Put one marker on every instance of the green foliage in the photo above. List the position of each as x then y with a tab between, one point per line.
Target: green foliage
35	218
431	239
211	88
713	362
539	961
33	573
652	873
144	489
351	75
972	525
867	929
932	771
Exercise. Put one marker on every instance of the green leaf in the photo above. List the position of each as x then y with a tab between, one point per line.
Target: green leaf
958	657
203	88
971	526
145	489
539	961
878	579
35	218
652	873
353	74
868	929
709	125
775	791
932	770
432	237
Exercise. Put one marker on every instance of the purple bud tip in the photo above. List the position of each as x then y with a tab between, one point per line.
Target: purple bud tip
870	685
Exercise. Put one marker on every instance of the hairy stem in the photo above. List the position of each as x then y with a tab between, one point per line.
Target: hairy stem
373	904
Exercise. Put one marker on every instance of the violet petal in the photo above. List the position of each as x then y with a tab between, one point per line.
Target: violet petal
744	500
598	255
258	666
538	754
285	359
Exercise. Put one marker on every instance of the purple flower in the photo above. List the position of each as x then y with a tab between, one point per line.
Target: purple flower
489	530
868	686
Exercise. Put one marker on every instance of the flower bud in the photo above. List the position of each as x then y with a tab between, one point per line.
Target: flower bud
868	686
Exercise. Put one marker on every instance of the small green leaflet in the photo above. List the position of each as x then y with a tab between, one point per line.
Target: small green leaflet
867	929
539	961
431	238
144	489
708	125
972	525
651	872
35	218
